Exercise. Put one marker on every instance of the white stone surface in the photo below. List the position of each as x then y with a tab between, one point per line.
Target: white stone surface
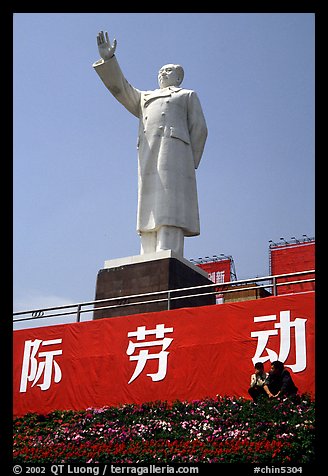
115	263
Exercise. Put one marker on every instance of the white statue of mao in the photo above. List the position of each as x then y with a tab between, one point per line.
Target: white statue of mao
172	135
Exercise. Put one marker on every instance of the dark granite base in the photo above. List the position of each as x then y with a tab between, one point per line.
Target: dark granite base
148	277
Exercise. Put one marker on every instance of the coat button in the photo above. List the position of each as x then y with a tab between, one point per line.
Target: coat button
163	113
160	127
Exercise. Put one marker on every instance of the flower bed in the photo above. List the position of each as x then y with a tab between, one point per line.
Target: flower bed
225	429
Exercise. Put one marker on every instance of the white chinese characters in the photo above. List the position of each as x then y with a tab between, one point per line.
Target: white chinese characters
217	276
38	364
283	328
143	356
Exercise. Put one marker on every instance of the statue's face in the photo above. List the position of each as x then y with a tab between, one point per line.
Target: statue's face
168	76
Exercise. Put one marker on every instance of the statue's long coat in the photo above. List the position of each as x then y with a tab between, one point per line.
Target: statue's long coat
172	135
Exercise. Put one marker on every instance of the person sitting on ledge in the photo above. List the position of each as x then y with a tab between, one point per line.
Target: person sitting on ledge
279	382
257	381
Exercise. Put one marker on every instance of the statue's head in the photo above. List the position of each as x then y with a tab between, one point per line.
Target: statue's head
170	75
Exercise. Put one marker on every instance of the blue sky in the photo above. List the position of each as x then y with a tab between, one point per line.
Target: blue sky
75	157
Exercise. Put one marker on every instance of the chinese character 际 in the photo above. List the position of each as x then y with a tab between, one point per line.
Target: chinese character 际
37	364
143	356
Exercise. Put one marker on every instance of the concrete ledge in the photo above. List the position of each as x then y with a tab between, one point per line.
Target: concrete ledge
117	262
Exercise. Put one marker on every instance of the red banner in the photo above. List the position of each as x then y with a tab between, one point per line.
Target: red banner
180	354
292	258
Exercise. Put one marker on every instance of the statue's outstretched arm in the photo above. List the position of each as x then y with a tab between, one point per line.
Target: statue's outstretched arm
111	75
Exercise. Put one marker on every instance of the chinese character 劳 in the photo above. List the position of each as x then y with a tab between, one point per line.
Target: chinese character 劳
144	355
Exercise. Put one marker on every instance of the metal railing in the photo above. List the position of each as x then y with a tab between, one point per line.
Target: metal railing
271	283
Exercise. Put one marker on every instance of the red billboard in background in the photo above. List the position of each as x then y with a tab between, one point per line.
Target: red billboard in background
218	271
291	258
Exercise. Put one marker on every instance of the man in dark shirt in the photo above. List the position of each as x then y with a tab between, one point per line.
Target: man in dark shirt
279	382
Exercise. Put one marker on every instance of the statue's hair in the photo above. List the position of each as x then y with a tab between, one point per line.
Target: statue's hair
180	72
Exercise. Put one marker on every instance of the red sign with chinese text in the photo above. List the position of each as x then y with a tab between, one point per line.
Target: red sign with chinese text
183	354
291	258
218	271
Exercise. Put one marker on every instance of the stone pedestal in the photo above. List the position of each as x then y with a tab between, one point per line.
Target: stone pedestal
149	273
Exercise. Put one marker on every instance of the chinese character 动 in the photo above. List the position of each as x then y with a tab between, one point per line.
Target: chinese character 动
144	356
34	366
284	328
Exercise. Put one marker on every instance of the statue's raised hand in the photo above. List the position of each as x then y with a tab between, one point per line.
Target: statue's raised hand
106	50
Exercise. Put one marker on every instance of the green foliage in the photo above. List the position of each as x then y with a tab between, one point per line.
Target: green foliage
225	429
